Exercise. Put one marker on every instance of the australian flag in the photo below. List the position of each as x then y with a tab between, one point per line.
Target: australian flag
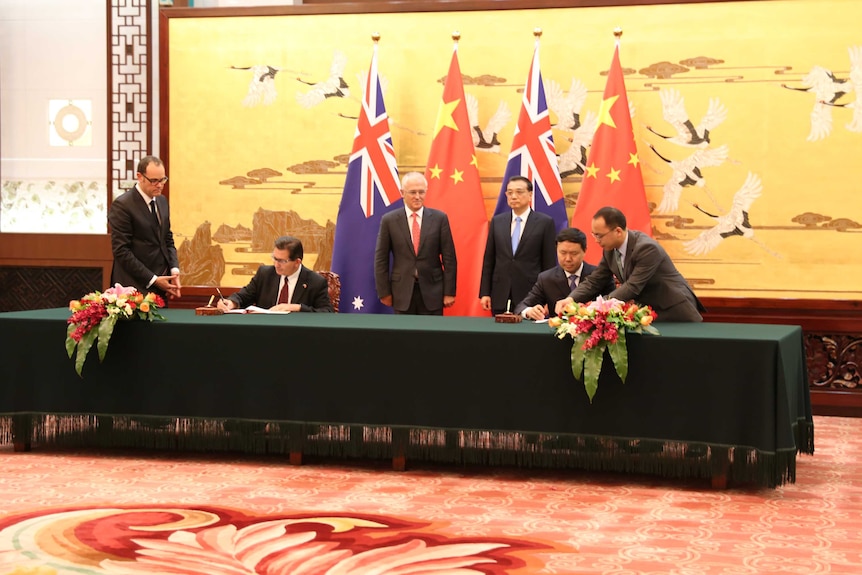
371	189
533	153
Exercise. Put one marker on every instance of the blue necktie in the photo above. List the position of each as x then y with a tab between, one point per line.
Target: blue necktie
572	279
516	235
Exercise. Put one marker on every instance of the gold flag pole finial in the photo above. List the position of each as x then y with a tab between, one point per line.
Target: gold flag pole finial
456	35
375	36
618	32
537	32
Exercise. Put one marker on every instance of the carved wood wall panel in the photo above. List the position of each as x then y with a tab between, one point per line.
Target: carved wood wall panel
834	360
130	109
23	288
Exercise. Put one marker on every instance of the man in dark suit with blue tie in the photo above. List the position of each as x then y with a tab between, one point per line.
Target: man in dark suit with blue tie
141	239
420	279
520	245
556	283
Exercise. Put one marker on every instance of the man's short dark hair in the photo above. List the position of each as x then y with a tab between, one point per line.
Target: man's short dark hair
292	245
521	179
573	235
146	161
612	216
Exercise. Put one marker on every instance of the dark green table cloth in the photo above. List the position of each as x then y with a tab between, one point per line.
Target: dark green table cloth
738	391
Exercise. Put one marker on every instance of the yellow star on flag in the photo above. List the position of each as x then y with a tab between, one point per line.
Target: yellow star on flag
592	170
474	161
614	176
435	171
605	111
633	159
457	176
444	116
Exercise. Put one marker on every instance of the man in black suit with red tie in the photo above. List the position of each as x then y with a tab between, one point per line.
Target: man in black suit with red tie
418	241
556	283
141	239
287	285
520	246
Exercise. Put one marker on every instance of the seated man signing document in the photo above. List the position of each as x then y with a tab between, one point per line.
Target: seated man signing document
285	286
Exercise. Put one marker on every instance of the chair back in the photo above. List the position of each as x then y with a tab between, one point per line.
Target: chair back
334	283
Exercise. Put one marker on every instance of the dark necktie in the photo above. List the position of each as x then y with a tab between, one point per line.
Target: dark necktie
284	295
572	281
619	262
153	211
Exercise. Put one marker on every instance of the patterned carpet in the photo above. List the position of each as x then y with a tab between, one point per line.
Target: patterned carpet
122	512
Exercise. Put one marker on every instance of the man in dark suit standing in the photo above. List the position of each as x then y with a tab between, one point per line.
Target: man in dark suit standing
520	245
644	271
556	283
141	239
418	242
287	285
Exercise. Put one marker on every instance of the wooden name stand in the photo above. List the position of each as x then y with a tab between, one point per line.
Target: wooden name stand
208	309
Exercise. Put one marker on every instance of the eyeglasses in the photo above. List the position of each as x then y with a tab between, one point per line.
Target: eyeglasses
279	261
511	193
156	181
600	236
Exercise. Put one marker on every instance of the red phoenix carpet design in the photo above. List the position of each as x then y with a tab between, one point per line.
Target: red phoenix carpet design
66	512
220	541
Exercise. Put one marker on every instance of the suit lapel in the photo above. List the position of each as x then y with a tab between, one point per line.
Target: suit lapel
561	278
301	285
631	241
423	228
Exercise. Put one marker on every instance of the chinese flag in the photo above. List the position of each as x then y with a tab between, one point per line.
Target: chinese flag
613	173
454	187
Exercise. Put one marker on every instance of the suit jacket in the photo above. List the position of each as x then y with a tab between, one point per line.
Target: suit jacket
650	278
552	285
435	264
311	291
505	274
141	248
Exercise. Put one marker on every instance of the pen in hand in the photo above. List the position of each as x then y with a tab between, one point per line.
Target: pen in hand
223	300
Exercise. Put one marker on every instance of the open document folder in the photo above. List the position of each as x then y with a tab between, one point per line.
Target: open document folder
254	309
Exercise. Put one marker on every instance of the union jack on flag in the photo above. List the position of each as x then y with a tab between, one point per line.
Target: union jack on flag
371	189
533	152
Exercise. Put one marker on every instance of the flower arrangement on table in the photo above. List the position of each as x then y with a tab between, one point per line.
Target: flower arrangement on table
599	325
95	315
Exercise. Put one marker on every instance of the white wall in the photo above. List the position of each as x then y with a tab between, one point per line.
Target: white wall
51	49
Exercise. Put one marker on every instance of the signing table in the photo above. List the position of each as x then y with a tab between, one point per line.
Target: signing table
722	401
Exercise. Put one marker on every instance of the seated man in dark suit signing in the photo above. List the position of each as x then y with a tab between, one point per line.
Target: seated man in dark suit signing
645	272
556	283
287	285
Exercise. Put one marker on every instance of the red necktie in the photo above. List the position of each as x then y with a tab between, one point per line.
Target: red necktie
415	233
284	295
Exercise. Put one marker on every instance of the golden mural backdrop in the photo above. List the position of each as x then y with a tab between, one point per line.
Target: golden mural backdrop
263	113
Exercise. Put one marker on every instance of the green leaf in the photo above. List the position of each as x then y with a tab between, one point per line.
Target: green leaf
578	356
70	343
106	329
651	330
592	368
620	355
83	348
